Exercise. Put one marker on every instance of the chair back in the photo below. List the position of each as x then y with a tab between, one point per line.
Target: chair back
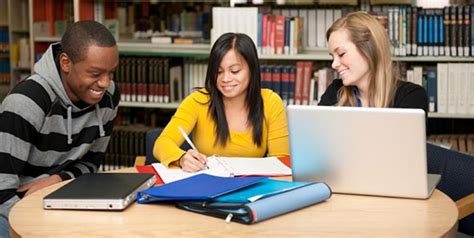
151	137
457	177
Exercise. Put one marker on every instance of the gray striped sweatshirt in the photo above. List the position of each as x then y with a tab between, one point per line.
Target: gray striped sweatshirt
43	133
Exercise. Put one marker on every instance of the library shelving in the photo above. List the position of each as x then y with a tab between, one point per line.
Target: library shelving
133	16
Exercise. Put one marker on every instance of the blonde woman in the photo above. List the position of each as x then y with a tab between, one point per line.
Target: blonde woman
360	49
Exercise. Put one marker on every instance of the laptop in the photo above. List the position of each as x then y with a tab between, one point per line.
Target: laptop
368	151
99	191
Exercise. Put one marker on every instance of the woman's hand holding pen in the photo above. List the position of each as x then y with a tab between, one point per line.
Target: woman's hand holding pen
192	161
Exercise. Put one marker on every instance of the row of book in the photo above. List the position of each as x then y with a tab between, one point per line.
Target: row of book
164	21
428	32
4	39
126	142
277	30
150	117
20	53
163	80
463	143
157	80
5	71
50	17
297	84
450	86
311	26
160	80
412	31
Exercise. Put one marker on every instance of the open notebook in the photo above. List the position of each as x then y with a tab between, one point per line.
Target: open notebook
228	167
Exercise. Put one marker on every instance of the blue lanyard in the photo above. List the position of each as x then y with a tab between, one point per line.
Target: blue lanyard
357	96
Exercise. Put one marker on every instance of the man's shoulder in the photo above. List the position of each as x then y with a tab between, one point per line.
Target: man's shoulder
32	90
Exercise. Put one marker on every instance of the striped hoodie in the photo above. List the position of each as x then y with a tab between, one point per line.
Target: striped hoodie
43	133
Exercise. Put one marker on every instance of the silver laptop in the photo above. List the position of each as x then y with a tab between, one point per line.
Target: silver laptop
369	151
99	191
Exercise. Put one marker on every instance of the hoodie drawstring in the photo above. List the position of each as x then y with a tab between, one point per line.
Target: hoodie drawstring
99	118
69	125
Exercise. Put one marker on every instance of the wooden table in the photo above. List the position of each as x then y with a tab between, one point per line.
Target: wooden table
340	216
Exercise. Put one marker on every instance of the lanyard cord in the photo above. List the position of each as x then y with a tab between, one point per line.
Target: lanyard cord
357	96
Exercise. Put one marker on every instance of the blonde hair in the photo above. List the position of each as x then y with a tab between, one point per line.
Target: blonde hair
372	41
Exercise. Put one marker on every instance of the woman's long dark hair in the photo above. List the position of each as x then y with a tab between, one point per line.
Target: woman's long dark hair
244	45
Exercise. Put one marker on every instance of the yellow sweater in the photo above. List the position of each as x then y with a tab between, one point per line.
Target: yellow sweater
192	115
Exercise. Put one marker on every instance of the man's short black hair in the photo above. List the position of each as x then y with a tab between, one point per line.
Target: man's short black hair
82	34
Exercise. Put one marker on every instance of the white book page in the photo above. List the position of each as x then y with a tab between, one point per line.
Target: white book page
227	167
169	175
269	166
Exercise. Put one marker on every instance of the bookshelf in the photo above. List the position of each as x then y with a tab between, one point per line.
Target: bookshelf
132	48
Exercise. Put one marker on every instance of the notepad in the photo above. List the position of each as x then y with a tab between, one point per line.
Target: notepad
229	167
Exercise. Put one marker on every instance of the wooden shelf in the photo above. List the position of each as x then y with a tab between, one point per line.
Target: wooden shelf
433	59
20	31
172	105
142	48
450	115
145	48
47	39
20	68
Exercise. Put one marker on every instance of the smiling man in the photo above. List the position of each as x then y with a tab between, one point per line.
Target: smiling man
56	124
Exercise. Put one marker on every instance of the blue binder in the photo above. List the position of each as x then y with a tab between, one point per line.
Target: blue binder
198	187
265	208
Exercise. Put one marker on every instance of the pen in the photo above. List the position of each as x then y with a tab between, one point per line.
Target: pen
189	141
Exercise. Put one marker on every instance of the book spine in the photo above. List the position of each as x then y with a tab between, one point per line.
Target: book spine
291	94
285	84
431	88
276	80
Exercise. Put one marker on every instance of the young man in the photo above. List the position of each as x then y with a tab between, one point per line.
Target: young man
56	124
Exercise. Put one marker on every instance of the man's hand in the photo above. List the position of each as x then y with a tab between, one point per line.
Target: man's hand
39	184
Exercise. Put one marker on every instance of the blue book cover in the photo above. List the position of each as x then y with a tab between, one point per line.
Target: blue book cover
419	40
441	29
435	30
198	187
425	33
431	86
287	34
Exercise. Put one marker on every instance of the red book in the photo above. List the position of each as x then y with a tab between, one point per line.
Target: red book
86	10
307	71
272	35
299	82
265	34
279	34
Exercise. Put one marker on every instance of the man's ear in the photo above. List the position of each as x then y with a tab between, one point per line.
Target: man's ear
65	62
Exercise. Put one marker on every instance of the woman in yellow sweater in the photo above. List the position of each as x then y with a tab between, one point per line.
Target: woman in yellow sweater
231	116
